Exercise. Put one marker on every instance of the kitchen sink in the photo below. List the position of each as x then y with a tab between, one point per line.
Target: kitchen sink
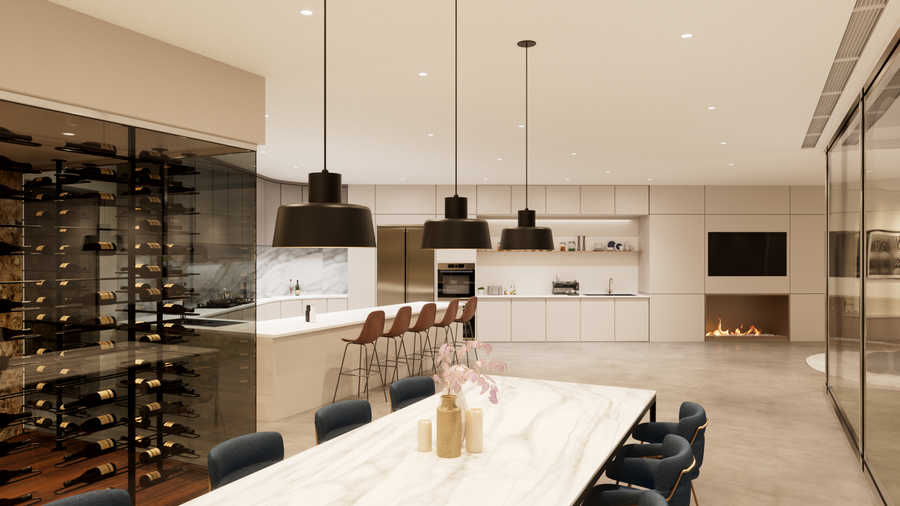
610	295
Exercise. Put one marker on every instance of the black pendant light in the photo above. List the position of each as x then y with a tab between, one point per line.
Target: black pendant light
456	231
526	236
324	222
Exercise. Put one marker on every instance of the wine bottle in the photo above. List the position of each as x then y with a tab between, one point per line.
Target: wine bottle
70	374
71	285
7	164
8	418
149	271
93	475
150	226
43	197
98	423
173	328
100	321
68	178
8	446
41	351
7	248
175	168
69	427
101	198
149	248
178	408
91	171
172	290
154	203
69	319
66	248
44	301
139	325
93	450
157	385
140	422
69	267
40	386
44	422
102	248
150	180
157	477
94	148
179	389
39	181
178	187
42	249
68	215
168	449
175	428
8	305
39	404
104	345
139	441
14	501
176	249
6	191
151	155
151	338
173	308
154	408
96	299
6	475
42	215
90	400
10	334
139	190
176	208
171	368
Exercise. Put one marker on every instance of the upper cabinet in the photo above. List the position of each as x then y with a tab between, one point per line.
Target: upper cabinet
563	200
598	200
537	199
633	200
494	200
405	199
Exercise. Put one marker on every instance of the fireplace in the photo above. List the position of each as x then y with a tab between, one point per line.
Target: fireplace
746	317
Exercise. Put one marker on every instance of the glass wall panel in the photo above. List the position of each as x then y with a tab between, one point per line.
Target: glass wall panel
844	191
882	308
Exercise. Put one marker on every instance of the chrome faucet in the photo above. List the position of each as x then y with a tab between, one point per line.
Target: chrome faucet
610	286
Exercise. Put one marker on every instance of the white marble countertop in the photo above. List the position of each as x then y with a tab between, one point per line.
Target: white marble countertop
573	297
302	296
286	327
543	444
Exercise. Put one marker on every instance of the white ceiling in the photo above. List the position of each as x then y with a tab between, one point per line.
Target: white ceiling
611	81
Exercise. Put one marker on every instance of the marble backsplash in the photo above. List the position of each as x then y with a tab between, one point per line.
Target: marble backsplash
318	270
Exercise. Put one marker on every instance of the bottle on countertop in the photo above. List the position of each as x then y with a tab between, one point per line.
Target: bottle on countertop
297	288
290	287
311	313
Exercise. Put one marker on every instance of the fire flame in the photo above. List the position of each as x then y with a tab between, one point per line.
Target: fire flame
737	332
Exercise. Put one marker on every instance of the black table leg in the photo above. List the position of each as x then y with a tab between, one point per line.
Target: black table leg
653	411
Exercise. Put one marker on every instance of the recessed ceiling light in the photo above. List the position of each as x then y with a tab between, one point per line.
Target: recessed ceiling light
296	167
711	108
724	143
648	179
521	126
573	154
687	35
402	179
72	124
607	172
262	151
306	13
730	164
267	115
430	135
499	159
67	133
567	179
485	179
423	74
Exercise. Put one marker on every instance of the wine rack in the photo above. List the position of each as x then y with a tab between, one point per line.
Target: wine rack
119	387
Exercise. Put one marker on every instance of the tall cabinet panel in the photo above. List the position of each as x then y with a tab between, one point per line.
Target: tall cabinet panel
131	242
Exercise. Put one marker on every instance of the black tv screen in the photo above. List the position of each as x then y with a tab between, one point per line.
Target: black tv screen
747	253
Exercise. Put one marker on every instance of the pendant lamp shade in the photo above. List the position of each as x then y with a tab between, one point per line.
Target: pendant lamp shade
526	236
324	222
456	231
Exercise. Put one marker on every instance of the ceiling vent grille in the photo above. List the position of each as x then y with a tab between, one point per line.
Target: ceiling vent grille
862	21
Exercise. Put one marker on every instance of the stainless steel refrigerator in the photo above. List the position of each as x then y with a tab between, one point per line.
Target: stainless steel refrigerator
405	270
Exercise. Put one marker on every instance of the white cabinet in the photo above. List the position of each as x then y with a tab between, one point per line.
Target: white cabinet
632	320
598	200
494	200
335	305
633	200
563	200
537	199
528	320
598	320
405	199
563	320
291	308
492	320
270	311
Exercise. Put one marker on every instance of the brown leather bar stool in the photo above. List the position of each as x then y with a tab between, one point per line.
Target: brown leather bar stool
369	334
398	329
444	323
466	319
423	324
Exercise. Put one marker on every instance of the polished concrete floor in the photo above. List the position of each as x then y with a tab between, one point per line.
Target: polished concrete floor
773	437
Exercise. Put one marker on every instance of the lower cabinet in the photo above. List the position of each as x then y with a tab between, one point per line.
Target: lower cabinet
563	320
492	320
529	322
632	320
598	320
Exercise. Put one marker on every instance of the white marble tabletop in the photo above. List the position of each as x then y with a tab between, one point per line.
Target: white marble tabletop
543	444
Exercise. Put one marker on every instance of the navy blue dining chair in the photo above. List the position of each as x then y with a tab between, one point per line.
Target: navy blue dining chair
244	455
108	497
691	425
651	498
340	418
668	473
409	391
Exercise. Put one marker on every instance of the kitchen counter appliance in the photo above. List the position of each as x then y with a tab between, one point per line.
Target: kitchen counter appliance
565	287
455	281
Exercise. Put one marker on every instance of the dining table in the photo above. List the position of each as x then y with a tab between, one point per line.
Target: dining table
545	443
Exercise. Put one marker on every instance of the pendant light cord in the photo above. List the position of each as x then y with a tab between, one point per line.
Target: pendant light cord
456	98
526	127
324	86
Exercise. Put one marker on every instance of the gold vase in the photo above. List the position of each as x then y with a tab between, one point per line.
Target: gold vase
449	428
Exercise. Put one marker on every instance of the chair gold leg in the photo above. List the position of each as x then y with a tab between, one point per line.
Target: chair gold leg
694	491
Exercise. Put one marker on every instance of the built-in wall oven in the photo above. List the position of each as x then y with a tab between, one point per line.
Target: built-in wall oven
455	281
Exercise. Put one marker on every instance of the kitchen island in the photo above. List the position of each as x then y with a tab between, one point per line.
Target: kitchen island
298	361
541	318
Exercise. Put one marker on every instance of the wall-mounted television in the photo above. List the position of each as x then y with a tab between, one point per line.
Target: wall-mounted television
747	253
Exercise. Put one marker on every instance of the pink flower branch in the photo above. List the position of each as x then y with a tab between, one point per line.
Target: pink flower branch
455	375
